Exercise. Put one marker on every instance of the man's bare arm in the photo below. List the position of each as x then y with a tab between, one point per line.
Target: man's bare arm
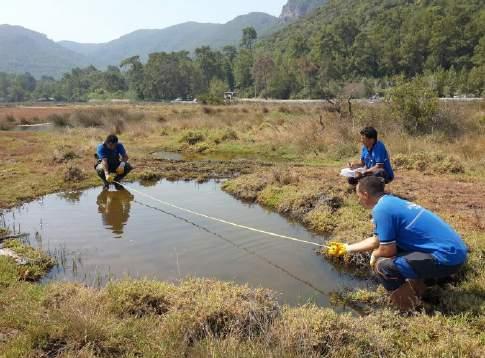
365	245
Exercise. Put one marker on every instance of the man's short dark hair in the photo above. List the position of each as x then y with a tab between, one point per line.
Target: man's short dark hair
111	139
369	132
372	185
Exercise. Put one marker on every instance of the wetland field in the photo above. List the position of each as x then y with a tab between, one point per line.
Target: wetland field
116	274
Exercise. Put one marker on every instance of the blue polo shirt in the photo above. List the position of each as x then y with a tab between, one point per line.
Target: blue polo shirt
413	228
105	153
377	155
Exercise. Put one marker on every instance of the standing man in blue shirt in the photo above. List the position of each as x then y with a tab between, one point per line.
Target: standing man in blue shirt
411	244
112	161
374	158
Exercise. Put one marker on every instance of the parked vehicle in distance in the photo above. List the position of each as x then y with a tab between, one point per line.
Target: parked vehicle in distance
229	96
186	100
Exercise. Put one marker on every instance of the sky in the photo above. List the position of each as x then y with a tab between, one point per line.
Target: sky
95	21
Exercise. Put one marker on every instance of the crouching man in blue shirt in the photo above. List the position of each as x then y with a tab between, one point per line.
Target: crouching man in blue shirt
411	244
374	158
112	162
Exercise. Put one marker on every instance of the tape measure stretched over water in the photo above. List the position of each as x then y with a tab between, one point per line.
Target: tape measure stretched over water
272	234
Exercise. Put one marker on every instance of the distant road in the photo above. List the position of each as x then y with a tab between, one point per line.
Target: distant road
321	101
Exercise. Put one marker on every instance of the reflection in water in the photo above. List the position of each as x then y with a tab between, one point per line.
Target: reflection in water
72	197
149	182
114	207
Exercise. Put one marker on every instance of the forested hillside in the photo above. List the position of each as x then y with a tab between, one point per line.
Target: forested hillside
349	40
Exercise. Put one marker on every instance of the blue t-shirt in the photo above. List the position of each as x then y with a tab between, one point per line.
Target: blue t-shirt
413	228
104	152
377	155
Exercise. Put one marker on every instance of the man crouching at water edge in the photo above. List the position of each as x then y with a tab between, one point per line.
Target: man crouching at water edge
112	161
374	158
411	245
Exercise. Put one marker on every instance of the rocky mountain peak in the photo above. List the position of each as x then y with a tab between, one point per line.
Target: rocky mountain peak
295	9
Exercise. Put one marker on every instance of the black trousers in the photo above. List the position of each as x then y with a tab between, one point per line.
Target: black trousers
424	265
100	172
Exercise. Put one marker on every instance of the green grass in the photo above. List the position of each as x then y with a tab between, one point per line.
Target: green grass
209	318
38	263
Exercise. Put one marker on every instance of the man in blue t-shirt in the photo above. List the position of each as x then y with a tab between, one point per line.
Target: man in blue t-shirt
411	244
374	158
112	161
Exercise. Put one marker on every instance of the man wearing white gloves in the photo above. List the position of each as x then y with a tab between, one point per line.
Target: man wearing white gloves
112	161
411	244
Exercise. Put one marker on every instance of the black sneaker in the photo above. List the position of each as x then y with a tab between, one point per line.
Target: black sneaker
118	186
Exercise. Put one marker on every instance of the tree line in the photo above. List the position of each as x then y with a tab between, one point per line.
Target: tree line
164	76
348	47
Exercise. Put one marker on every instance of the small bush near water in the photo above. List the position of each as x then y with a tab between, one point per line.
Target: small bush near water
192	137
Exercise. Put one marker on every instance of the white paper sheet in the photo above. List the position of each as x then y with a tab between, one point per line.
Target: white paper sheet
351	173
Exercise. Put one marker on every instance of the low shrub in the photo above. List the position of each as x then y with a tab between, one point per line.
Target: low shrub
192	137
74	174
64	155
429	162
59	120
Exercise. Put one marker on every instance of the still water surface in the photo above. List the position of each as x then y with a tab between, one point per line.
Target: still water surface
99	234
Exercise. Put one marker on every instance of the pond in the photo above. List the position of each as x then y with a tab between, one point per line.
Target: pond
97	235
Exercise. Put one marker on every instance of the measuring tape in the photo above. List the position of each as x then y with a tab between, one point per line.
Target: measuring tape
272	234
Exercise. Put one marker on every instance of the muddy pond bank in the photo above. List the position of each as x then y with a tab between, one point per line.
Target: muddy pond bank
98	235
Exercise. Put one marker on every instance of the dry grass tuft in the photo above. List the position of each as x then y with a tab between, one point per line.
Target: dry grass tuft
429	162
64	154
74	174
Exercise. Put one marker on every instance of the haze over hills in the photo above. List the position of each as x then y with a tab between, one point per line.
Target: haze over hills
23	50
187	36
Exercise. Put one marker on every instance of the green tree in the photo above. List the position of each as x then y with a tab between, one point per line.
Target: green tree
113	80
135	75
416	104
249	38
230	54
168	75
210	64
261	72
243	68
